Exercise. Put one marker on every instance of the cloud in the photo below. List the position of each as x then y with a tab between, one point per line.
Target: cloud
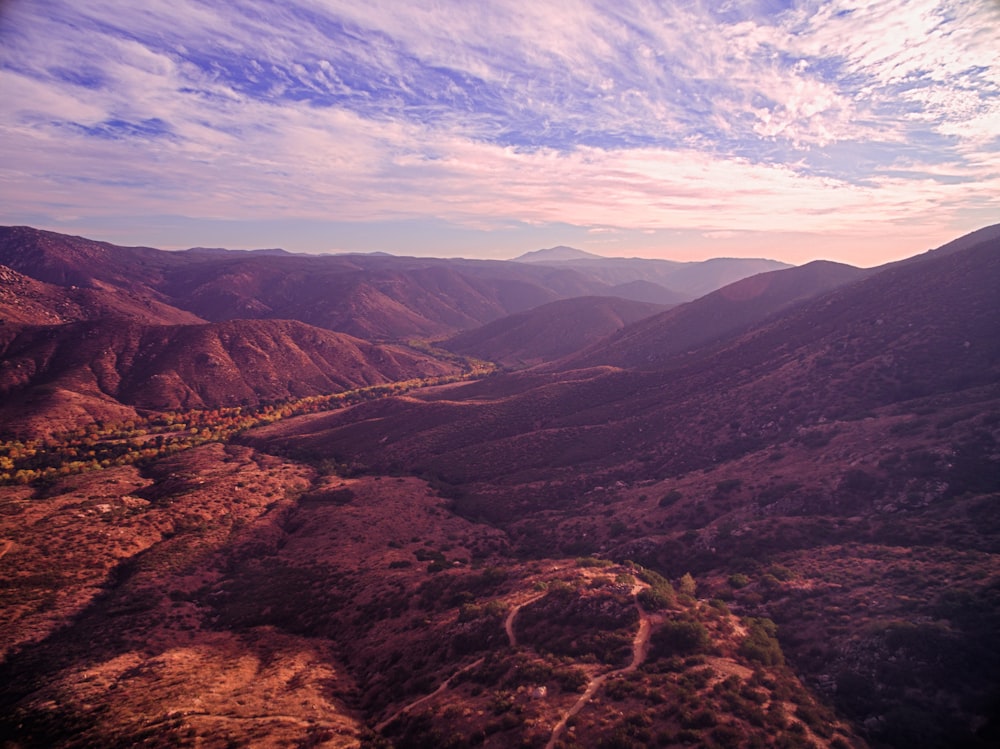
604	115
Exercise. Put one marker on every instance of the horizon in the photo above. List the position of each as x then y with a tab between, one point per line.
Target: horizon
512	258
794	132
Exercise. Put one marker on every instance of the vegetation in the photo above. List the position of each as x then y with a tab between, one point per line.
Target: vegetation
147	438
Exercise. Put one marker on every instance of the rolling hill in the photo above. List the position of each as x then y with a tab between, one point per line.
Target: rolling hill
737	307
767	517
550	331
909	331
688	280
379	297
832	468
65	376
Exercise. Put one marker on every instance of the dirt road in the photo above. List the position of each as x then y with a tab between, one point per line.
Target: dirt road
640	649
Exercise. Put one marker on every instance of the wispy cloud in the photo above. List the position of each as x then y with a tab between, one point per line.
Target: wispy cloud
840	116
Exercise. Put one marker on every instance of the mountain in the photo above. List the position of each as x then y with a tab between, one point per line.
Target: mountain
555	255
892	336
659	340
374	296
832	468
25	300
686	280
764	518
71	375
381	297
647	291
550	331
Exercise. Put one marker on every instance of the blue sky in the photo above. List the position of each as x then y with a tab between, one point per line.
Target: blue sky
851	130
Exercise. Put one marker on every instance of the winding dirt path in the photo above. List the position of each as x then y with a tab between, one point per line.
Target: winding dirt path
640	649
508	626
417	703
508	623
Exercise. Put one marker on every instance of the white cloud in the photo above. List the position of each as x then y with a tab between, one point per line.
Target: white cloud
705	122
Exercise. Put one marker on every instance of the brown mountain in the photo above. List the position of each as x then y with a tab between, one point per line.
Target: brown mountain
909	331
658	340
62	376
832	468
550	331
25	300
372	296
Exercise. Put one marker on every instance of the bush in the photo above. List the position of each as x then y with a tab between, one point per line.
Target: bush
761	644
657	599
738	580
680	638
593	562
671	498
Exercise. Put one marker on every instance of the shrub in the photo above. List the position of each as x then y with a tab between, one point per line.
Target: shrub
761	644
727	486
657	599
671	498
738	580
593	562
687	586
680	638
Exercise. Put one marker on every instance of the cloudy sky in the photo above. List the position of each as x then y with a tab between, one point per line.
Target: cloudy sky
857	130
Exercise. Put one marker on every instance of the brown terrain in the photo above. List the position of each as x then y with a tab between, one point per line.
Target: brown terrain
550	331
764	518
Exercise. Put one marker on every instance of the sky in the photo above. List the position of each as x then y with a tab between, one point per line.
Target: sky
854	130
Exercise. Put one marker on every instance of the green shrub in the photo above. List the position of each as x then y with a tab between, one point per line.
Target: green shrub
680	638
738	580
761	643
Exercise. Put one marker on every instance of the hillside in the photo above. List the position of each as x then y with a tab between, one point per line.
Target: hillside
550	331
657	341
378	297
688	280
71	375
767	517
27	301
785	467
893	336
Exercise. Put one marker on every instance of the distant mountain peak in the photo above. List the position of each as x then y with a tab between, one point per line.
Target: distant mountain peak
558	254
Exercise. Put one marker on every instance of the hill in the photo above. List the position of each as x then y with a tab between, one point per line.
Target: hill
550	331
555	255
787	467
657	341
892	336
765	518
687	280
379	297
71	375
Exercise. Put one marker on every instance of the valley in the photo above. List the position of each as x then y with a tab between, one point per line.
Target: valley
363	501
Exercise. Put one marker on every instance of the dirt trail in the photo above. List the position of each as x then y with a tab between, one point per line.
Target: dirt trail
416	703
508	624
640	649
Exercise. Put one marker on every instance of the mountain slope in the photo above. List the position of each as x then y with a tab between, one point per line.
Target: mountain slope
27	301
550	331
77	373
380	297
833	469
688	280
909	331
656	341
